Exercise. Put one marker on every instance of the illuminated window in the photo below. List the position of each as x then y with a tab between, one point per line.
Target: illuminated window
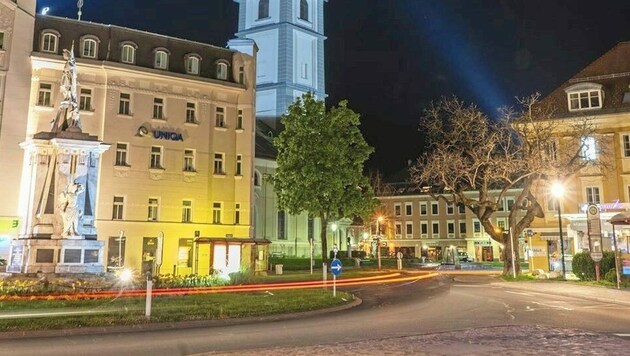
161	60
191	116
156	157
124	104
121	154
128	54
222	71
263	9
216	213
304	10
158	108
592	195
218	163
49	42
219	117
192	65
85	100
590	99
189	160
44	94
119	204
186	211
239	165
153	209
89	48
626	145
589	148
477	227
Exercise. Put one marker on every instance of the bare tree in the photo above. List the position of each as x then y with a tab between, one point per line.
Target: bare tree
476	161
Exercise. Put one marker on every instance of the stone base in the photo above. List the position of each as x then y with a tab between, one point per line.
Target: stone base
56	256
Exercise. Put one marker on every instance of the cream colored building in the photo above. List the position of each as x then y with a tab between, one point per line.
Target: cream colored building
176	183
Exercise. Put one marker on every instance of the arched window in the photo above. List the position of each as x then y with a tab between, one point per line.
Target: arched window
89	48
128	53
263	9
161	59
257	179
222	71
49	42
304	10
192	64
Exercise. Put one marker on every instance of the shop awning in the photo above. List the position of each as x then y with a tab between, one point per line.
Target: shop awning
620	219
231	240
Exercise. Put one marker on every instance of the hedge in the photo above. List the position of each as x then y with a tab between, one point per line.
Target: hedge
584	266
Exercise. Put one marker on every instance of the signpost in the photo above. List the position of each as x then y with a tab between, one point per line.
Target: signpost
335	269
594	236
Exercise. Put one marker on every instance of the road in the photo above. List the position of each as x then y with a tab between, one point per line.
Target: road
446	315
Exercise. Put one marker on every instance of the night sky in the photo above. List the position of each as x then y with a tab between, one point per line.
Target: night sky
390	58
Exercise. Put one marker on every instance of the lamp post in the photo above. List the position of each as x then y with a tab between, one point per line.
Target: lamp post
378	240
557	189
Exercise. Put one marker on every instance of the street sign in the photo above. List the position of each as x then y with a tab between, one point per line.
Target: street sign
335	267
597	256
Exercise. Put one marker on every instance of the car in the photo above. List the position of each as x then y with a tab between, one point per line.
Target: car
463	257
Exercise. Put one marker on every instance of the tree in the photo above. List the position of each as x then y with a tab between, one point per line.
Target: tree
320	163
522	151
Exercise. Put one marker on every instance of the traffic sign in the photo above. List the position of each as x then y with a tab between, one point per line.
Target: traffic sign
335	267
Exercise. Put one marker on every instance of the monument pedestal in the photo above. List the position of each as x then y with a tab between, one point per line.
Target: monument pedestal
56	256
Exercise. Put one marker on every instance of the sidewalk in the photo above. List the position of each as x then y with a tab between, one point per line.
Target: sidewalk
569	289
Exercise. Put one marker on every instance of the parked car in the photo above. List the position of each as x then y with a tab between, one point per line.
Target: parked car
463	257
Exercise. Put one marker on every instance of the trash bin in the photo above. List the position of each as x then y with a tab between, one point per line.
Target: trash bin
279	269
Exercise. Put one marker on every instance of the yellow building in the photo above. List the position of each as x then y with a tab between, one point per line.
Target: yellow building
175	190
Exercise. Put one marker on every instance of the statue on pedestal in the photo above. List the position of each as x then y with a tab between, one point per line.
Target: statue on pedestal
70	213
62	122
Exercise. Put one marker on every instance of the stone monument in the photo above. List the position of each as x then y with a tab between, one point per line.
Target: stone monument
59	235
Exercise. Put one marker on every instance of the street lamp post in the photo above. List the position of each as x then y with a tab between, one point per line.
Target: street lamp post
558	191
378	241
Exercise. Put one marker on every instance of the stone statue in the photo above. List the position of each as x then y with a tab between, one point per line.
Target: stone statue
68	89
70	213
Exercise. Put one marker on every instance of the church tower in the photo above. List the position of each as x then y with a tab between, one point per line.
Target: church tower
290	62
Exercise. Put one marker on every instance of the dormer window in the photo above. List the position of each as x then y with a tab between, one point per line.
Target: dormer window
304	10
161	59
222	71
50	40
263	9
128	53
89	47
584	96
192	64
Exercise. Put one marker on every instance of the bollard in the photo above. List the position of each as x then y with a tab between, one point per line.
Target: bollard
147	310
324	274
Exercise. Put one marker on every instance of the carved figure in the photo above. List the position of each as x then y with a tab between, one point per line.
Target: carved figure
70	213
68	90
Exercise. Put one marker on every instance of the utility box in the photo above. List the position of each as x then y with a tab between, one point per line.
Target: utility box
279	268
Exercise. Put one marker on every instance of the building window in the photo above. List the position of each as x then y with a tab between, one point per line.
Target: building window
152	214
592	195
423	208
462	229
450	228
408	209
510	203
257	179
85	100
626	145
501	205
158	108
49	42
185	253
589	148
216	213
450	209
237	213
304	10
1	40
156	157
590	99
310	223
89	48
222	71
477	227
124	104
436	229
161	60
44	95
397	209
119	204
121	154
128	54
398	229
239	120
191	116
218	163
239	165
186	211
461	208
424	229
282	227
241	75
435	208
219	117
409	229
192	65
189	160
263	9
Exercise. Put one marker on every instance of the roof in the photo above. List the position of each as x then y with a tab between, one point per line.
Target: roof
264	141
612	71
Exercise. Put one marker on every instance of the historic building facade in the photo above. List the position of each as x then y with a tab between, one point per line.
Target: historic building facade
175	188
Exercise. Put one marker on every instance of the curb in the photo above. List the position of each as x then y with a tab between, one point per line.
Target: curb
620	300
11	335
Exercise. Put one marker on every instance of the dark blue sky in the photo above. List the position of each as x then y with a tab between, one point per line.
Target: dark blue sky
391	58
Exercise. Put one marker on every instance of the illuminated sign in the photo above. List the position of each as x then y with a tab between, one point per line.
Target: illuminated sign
160	134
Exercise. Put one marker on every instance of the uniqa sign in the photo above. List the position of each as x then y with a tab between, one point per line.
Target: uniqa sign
161	134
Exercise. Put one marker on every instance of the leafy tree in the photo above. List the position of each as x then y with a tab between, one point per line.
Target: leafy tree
520	152
320	163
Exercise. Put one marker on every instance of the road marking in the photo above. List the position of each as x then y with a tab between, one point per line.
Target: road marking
519	293
470	285
623	335
553	306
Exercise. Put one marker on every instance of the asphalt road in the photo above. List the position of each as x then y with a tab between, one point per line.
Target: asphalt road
448	312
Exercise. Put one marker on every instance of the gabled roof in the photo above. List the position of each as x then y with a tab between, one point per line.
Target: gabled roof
264	141
612	71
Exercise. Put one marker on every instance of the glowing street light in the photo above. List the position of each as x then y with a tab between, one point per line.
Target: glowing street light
557	190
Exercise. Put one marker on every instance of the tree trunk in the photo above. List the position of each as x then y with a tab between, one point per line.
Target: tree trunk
322	235
508	263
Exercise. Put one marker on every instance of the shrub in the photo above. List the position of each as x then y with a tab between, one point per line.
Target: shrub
583	266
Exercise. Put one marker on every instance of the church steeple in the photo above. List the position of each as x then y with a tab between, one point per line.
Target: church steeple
290	62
